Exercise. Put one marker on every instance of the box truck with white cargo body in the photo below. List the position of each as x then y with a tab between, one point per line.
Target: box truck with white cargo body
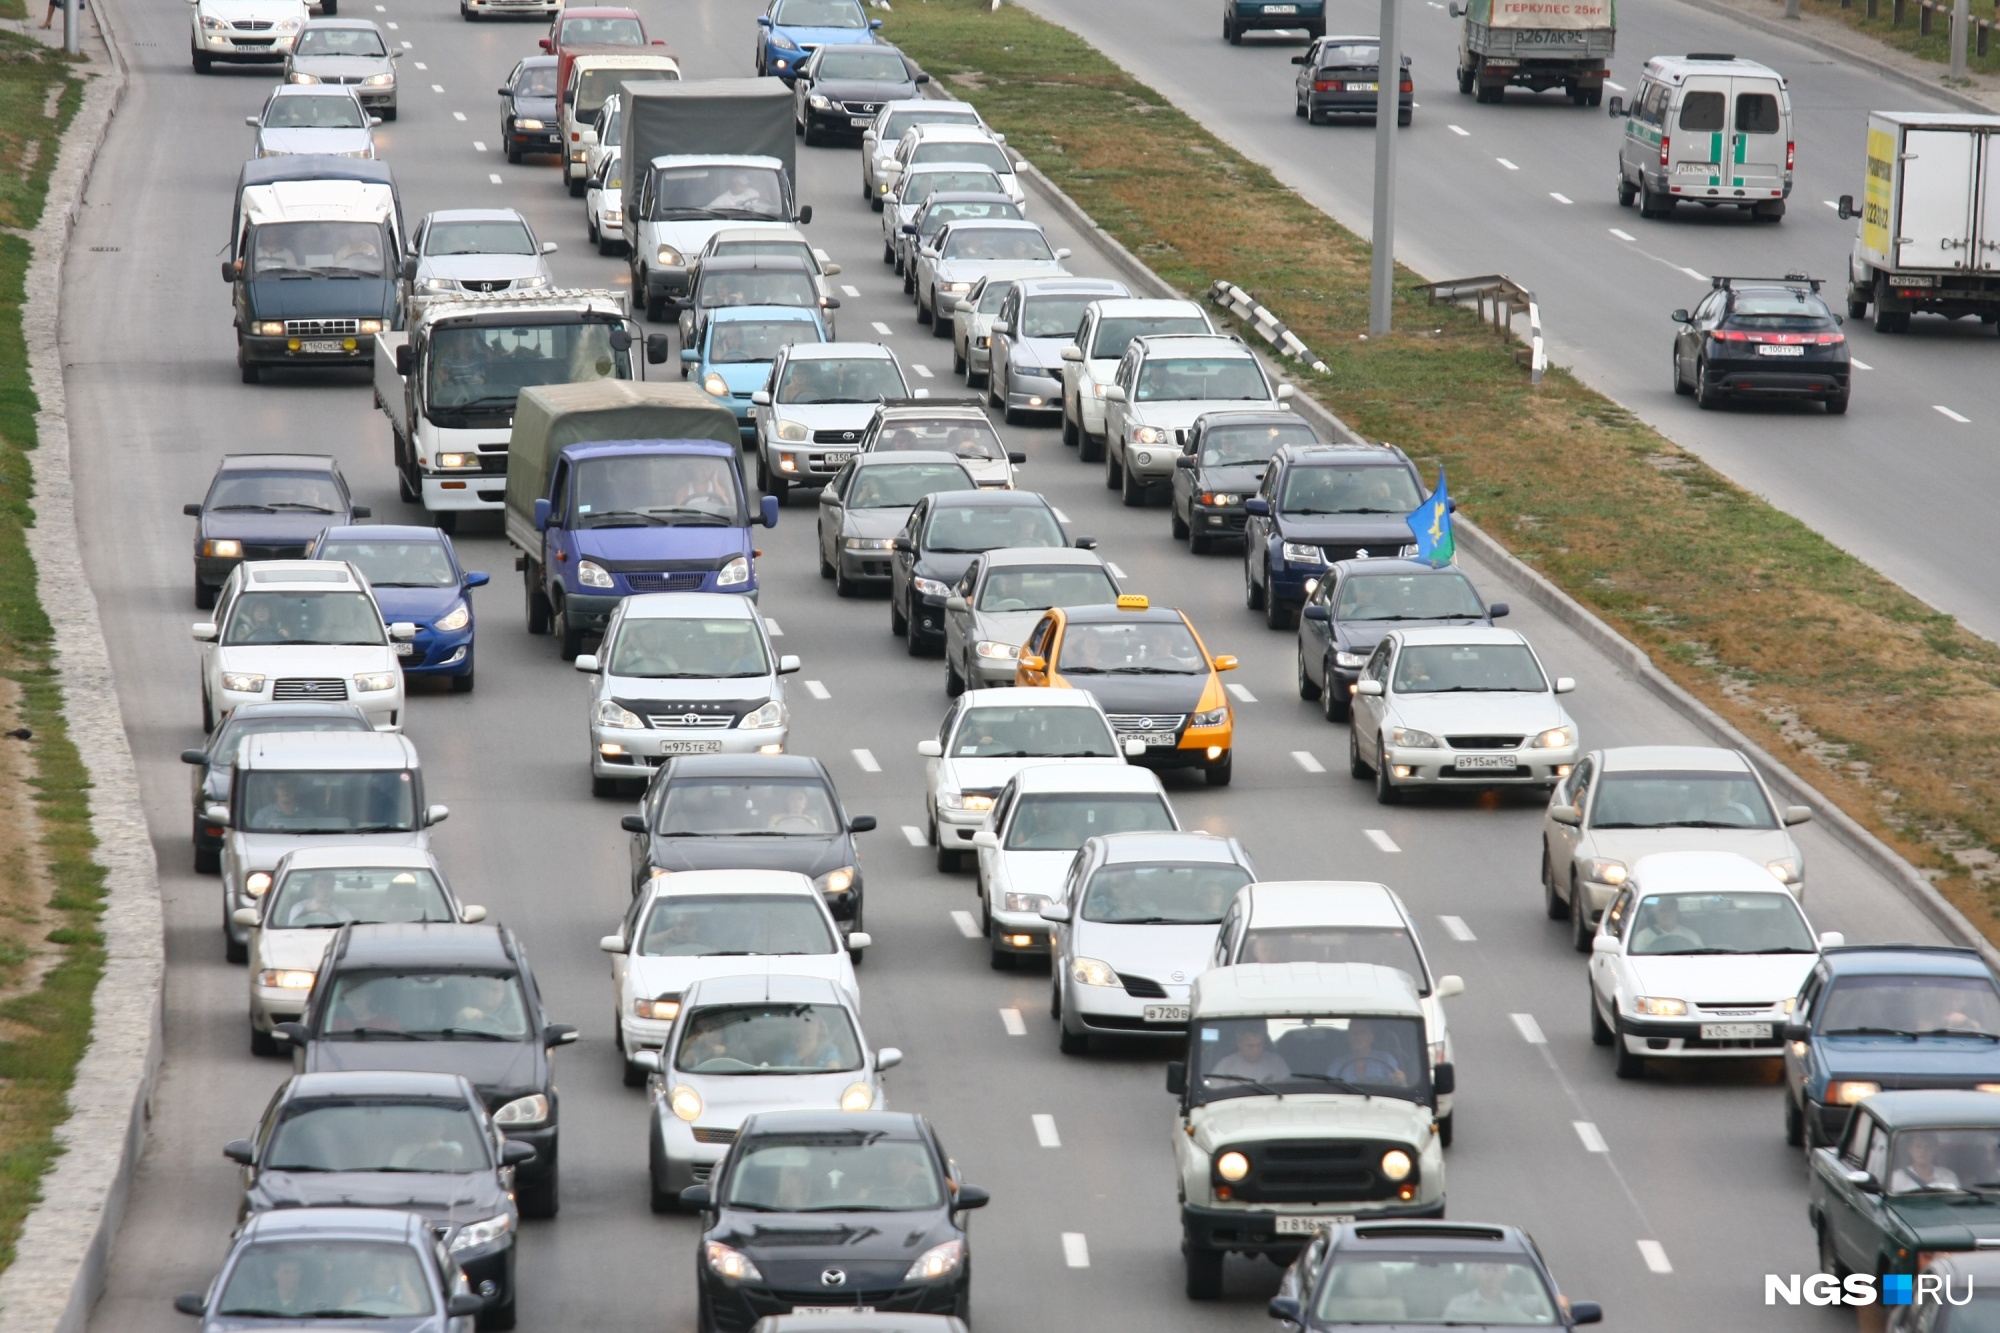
1930	219
1536	44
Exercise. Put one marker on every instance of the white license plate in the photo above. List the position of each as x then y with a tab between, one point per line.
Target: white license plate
1306	1226
1482	761
1281	9
861	122
1695	168
1166	1013
1734	1031
833	1309
1364	87
1781	349
1150	738
322	347
690	747
406	649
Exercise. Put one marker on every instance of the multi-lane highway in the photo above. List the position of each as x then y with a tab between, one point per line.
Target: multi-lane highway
1696	1168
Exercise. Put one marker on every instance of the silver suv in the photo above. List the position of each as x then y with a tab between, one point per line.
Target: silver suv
1162	384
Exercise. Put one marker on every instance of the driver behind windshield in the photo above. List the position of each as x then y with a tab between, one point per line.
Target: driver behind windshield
653	486
1253	1061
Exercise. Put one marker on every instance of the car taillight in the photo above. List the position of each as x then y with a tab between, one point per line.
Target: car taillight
1831	339
1789	147
1327	85
1730	336
1409	87
1664	141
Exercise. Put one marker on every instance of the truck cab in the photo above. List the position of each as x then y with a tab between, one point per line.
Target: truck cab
312	266
685	200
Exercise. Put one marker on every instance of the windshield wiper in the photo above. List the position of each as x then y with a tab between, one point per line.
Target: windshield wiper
1152	671
470	1034
497	399
1697	823
1443	615
687	511
366	1033
641	515
257	508
1868	1032
1958	1032
300	505
1244	1079
343	271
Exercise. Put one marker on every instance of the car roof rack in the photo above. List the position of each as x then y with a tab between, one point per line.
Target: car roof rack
1727	283
1709	55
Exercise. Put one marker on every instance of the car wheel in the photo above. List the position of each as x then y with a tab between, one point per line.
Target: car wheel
1652	205
262	1044
1204	1273
207	860
1465	81
1089	448
1298	106
1333	698
957	360
1386	791
463	684
389	113
1069	431
250	372
923	311
1253	596
1554	905
1114	473
1829	1256
1175	523
538	605
954	684
659	1200
1444	1129
1795	1125
1070	1043
913	641
542	1199
207	714
497	1318
569	642
1357	767
1625	1064
204	596
1600	1031
202	62
1000	960
1580	929
940	324
898	625
996	389
590	227
1705	398
1681	386
446	521
1132	490
1308	687
1220	771
1628	193
576	187
1277	612
236	951
780	489
1837	407
948	860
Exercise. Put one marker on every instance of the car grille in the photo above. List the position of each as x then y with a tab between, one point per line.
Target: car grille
703	1134
1451	773
1314	1171
702	714
848	437
486	284
252	25
829	461
334	689
861	108
657	581
701	1171
1147	721
1483	742
493	460
322	328
1362	550
270	552
667	721
1142	988
248	43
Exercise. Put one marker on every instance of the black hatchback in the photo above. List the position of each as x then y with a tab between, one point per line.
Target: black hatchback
818	1212
1338	76
265	507
1401	1274
528	111
1762	338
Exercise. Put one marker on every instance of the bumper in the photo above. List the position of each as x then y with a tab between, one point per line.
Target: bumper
270	1005
214	570
1353	104
1596	897
220	46
1033	393
1767	381
589	611
1192	752
792	463
1288	581
618	753
1261	16
384	710
490	1273
376	97
642	1034
1090	412
1829	1123
956	827
835	120
544	8
615	231
535	141
991	673
729	1308
1021	933
1216	520
1111	1009
978	356
439	654
870	567
1438	768
667	282
349	350
1256	1232
1683	1041
458	491
927	618
683	1161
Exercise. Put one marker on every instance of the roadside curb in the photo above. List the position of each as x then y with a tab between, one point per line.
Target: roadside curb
64	1248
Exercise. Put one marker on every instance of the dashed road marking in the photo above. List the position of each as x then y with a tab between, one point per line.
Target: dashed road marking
1461	133
1530	1030
1045	1131
458	115
923	372
1116	572
970	929
1560	198
421	65
1505	163
915	836
437	87
773	629
1061	517
1614	87
478	147
1622	235
1655	1256
866	758
1307	762
882	329
1242	692
1455	927
406	46
1076	1250
1592	1140
1009	1018
817	690
845	290
1942	410
1859	365
1694	273
392	27
494	176
1382	840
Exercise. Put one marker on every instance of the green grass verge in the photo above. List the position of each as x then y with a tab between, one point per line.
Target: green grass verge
1907	37
43	1033
1889	707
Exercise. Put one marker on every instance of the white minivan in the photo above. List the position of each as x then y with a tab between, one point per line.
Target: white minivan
1707	129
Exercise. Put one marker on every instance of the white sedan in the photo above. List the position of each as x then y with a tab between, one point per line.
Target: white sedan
1699	957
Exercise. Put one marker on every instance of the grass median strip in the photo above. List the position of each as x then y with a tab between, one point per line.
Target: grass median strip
1907	37
50	890
1889	707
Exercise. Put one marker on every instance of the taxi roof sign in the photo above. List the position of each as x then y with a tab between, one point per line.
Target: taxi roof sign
1133	601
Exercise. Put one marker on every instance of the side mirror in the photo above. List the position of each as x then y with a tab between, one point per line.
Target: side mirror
858	940
621	338
1681	316
689	356
789	664
909	229
861	824
1498	610
1286	392
1073	353
1057	912
1177	1077
1316	611
1798	814
1585	1312
888	1057
1017	457
1566	814
1257	505
1114	393
1298	60
830	302
1861	1180
406	360
1444	1080
471	914
192	511
362	511
216	814
194	756
612	943
656	349
761	398
1064	252
1187	462
951	603
1616	107
240	1150
409	275
1449	985
252	122
245	917
1284	1307
1604	944
587	662
436	814
230	271
1003	326
516	1151
373	121
695	1198
767	511
874	23
648	1060
548	247
806	215
1135	748
971	1196
463	1303
1565	684
1831	939
903	544
475	579
402	630
191	1302
1845	208
1225	662
294	1033
203	631
542	509
543	42
1032	662
986	838
560	1034
633	823
921	80
1371	688
1085	543
763	20
1795	1032
930	749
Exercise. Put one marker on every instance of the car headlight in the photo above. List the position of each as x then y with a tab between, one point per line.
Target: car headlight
440	285
734	574
611	713
868	543
456	619
1223	499
936	1262
997	652
670	256
715	384
1848	1091
593	575
1785	870
958	288
1555	738
783	43
285	978
792	431
1355	660
685	1102
368	326
817	102
1410	738
476	1234
726	1261
660	1011
209	23
374	682
379	80
225	548
535	280
771	714
271	328
1298	553
1093	972
530	1110
857	1097
614	217
952	800
931	587
529	123
1023	902
258	884
297	77
1604	870
982	340
1152	435
289	25
836	881
1232	1166
1654	1006
1214	717
449	462
243	682
1396	1164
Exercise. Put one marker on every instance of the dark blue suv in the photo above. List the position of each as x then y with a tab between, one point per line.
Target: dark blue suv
1319	504
1872	1017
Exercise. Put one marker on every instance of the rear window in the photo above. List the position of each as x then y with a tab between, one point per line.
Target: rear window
1702	111
1756	113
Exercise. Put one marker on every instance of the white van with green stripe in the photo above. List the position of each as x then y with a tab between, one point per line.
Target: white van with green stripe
1708	129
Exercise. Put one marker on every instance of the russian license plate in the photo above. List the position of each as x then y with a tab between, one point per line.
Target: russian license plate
405	649
1166	1013
1484	761
690	747
861	122
317	348
1150	738
833	1309
1781	349
1734	1031
1364	87
1306	1226
1695	168
1281	9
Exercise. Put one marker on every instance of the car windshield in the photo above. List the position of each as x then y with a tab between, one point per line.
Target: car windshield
752	247
368	1134
1229	446
1033	731
326	1278
1061	821
834	1173
494	237
1439	668
847	379
1116	333
1711	923
1013	245
1688	799
1898	1005
1016	589
593	86
724	924
768	1039
1445	595
1354	53
1379	1055
1350	490
339	42
737	342
1779	310
536	81
819	14
717	192
1148	895
320	899
487	366
230	736
283	492
315	111
304	618
863	64
1945	1161
666	490
1433	1289
449	1006
340	800
1383	946
318	250
921	185
396	564
1054	316
901	485
1178	379
984	152
770	286
968	437
683	648
602	32
1131	647
974	528
747	807
899	121
938	214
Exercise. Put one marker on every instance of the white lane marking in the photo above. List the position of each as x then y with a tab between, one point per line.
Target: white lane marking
1859	365
1530	1030
1307	762
1009	1018
923	372
1045	1131
421	65
970	929
845	290
1382	840
437	87
406	46
1061	517
1614	87
1622	235
458	115
1592	1140
478	147
1463	134
772	628
1694	273
1455	927
869	763
1116	572
1560	198
1242	692
1505	163
392	27
1832	204
817	690
882	329
1942	410
1076	1250
494	177
915	836
1655	1256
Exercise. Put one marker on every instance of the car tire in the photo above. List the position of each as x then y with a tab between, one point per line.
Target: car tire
1070	434
250	372
569	642
1771	210
1220	771
1253	596
1795	1124
1554	905
1624	1063
1357	767
1204	1273
996	389
1489	92
1386	791
780	490
262	1044
1628	193
899	625
1681	386
954	684
826	569
1403	119
236	951
1829	1256
1705	398
1581	931
948	860
1315	31
1466	79
537	604
1001	961
1600	1031
498	1318
204	596
389	113
202	61
1309	689
1837	407
1334	703
659	1201
1089	448
1132	491
463	684
1277	612
207	860
940	326
656	309
590	228
1175	523
1298	106
1071	1043
1444	1129
207	714
1114	474
1653	205
544	1198
913	642
957	360
1230	33
576	187
888	253
923	311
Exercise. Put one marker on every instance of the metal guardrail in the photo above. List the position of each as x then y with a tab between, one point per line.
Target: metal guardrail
1507	298
1982	29
1262	322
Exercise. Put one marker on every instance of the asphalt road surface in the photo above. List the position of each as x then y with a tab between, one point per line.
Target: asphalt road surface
1672	1228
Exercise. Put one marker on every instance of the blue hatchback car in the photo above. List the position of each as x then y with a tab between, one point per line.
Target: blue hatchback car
791	30
1874	1017
416	577
738	345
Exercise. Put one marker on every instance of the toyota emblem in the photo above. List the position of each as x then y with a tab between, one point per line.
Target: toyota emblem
690	719
847	437
1145	724
832	1277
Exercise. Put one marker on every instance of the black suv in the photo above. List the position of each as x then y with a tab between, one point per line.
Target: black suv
452	999
1221	466
1318	504
265	507
1762	338
1355	605
1397	1274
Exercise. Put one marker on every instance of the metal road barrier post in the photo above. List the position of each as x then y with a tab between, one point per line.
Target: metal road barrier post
1507	298
1382	239
1263	323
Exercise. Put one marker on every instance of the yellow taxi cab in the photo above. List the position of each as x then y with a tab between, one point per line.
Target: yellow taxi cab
1149	671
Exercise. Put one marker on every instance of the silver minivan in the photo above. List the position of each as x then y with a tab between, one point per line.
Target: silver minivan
1707	129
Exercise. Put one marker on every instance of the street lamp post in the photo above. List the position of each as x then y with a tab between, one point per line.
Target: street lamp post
1388	106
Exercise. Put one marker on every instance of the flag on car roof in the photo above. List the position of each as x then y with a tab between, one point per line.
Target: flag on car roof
1431	522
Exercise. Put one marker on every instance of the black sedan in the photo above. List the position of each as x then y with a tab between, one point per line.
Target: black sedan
937	544
819	1211
265	507
215	762
1355	605
839	89
1338	76
528	113
1762	338
1220	466
1398	1274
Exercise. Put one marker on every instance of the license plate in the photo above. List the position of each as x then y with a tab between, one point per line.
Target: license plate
1281	9
833	1309
1150	738
405	649
1306	1226
1364	87
1734	1031
1166	1013
1695	168
690	747
861	122
322	348
1479	761
1780	349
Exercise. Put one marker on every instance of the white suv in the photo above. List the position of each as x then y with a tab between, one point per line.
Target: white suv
1162	384
1108	328
245	30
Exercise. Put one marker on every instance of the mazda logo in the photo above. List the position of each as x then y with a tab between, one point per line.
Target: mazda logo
832	1277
